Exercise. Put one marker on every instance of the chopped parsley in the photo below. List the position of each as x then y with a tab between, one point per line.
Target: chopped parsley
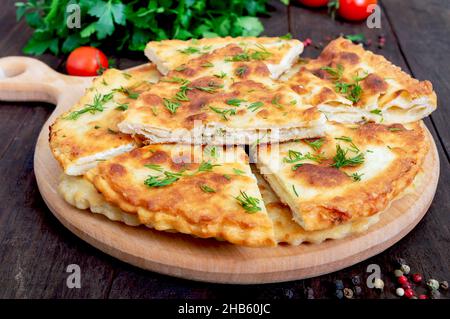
249	203
207	65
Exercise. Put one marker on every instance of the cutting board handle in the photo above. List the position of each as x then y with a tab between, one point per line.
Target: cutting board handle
28	79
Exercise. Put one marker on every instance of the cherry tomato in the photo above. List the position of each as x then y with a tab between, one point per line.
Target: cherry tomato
86	61
314	3
355	10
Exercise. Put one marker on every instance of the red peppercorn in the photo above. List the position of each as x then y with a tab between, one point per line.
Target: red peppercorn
409	293
417	278
406	285
402	280
423	297
307	42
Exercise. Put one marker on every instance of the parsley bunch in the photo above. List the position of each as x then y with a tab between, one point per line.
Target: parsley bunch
127	25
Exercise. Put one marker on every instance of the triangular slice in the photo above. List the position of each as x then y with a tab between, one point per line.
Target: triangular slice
201	191
222	98
87	132
166	54
352	172
352	85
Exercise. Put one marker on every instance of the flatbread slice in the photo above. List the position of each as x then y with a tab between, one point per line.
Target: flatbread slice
88	133
352	85
287	231
222	98
352	172
202	191
170	54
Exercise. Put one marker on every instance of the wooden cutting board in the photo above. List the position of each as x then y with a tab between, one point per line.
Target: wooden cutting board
26	79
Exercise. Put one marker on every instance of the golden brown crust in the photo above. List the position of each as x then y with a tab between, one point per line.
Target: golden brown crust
210	83
183	205
92	136
388	94
327	196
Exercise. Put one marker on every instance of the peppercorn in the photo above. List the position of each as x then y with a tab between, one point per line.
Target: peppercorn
417	278
356	280
443	285
433	284
409	293
378	283
309	293
358	290
400	261
423	296
406	269
348	293
338	284
398	273
339	294
435	294
406	286
400	292
307	42
402	280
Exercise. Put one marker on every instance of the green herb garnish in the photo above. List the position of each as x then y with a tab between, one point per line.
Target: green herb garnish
249	203
255	106
316	144
234	102
171	105
96	106
341	159
207	189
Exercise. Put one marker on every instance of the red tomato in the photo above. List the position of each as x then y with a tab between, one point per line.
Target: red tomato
314	3
355	10
86	61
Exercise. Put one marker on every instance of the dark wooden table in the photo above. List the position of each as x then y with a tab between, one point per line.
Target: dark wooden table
36	249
